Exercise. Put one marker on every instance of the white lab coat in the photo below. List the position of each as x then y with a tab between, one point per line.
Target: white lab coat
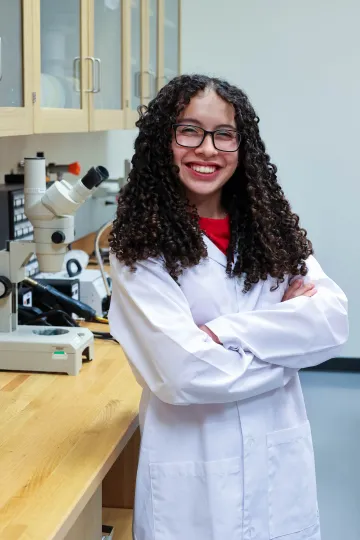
226	449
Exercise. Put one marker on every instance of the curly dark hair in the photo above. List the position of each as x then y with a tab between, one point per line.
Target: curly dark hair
155	219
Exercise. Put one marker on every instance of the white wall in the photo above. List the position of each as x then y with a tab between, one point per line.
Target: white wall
109	148
299	63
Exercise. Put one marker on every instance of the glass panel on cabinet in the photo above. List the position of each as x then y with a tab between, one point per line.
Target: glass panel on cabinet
153	53
60	54
135	53
171	40
108	58
11	54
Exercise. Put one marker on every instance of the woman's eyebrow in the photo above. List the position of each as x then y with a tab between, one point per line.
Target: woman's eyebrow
190	120
197	122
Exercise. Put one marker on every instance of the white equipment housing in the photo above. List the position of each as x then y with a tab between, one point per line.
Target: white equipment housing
51	212
92	288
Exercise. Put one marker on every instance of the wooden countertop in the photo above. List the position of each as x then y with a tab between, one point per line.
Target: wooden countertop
59	436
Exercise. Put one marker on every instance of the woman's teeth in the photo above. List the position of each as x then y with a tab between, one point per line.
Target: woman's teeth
202	169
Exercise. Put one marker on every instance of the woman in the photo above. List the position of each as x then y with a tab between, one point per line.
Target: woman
217	303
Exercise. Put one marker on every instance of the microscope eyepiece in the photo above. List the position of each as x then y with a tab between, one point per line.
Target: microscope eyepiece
94	177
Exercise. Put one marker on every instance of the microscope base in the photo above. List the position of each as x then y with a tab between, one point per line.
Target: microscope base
46	349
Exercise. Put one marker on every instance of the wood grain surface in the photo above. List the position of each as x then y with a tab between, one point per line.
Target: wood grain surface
59	436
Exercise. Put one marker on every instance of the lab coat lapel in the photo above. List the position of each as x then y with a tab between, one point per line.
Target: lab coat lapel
214	252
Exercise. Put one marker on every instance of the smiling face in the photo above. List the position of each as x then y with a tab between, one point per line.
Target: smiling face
205	170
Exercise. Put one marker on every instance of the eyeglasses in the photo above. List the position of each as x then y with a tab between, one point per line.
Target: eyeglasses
224	139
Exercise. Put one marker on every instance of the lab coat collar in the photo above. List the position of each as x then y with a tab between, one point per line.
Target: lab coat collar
214	252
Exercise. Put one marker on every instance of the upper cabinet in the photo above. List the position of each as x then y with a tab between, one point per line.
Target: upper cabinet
83	65
153	48
153	38
106	34
150	53
61	61
16	111
134	60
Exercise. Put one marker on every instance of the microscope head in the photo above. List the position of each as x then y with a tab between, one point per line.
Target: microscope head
51	211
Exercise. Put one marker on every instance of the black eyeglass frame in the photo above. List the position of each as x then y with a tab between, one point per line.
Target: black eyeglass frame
206	133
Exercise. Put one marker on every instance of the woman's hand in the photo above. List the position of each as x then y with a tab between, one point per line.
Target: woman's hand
210	333
298	288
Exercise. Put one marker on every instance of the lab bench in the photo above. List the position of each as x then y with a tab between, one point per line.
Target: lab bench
69	446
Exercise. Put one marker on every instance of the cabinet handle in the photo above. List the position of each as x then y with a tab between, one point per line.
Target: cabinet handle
164	80
92	60
76	74
137	84
155	85
99	76
137	89
151	76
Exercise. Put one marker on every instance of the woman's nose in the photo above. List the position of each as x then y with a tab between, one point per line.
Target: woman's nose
207	147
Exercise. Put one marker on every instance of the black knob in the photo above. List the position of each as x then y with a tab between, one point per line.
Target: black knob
58	237
5	287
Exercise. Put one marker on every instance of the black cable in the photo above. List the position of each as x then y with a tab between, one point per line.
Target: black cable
104	335
67	320
52	298
54	312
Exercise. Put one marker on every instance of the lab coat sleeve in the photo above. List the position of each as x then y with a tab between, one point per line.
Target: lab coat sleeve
151	319
298	333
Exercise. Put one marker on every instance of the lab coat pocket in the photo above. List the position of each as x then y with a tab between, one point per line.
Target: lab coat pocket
197	500
292	483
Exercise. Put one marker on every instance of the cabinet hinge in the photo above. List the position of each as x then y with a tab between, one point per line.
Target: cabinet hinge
34	97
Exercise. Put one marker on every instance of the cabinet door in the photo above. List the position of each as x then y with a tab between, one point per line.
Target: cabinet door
150	51
169	40
133	60
60	61
106	40
16	111
153	47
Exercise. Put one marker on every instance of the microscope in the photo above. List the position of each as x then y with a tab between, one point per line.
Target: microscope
51	212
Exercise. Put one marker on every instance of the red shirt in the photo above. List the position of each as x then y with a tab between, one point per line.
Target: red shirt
218	231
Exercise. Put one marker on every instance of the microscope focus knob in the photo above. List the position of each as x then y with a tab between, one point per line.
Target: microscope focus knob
58	237
5	287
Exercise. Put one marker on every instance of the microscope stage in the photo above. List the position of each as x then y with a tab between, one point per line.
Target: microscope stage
46	349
